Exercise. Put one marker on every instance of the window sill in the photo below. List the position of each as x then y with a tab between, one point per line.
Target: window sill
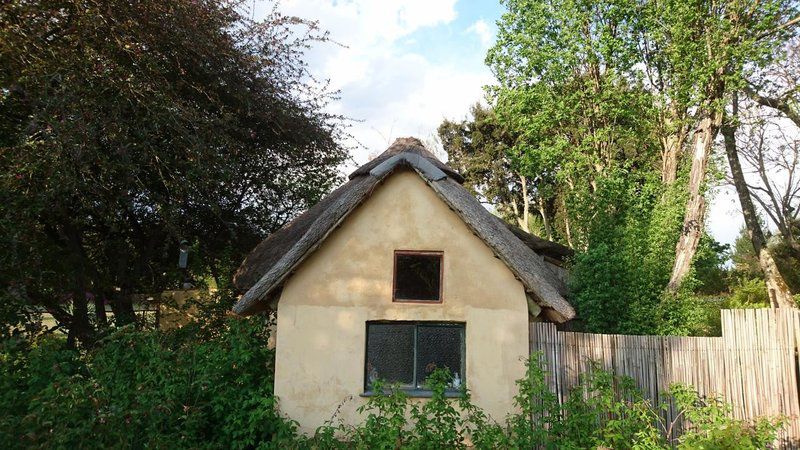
415	393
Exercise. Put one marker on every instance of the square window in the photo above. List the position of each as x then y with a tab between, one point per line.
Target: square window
390	353
406	353
417	276
438	347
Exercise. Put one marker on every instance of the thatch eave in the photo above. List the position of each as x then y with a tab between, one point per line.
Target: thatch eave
320	221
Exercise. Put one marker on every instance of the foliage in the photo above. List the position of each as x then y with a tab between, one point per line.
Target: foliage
709	266
749	293
618	281
747	286
126	127
579	114
603	411
713	427
746	265
195	390
587	129
592	97
481	149
140	389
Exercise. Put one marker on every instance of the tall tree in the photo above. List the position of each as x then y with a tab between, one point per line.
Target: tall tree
608	95
128	126
777	86
568	90
778	290
772	153
480	148
714	42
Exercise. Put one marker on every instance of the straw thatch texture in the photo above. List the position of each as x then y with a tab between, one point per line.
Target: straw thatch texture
265	269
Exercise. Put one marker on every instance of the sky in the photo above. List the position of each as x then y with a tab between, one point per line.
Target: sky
404	66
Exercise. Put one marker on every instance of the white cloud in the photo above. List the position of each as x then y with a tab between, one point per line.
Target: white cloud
725	219
392	90
483	31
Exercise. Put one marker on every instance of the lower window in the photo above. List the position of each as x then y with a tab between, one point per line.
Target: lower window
406	353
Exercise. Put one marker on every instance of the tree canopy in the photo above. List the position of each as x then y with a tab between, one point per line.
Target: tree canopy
126	127
610	109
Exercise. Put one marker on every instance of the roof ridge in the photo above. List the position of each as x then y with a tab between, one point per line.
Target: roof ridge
407	145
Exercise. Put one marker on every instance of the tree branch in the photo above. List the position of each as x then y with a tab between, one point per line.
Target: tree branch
775	103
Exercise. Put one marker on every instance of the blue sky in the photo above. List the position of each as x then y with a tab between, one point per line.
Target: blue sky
407	65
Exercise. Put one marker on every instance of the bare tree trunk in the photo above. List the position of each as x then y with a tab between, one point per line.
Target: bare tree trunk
567	228
694	219
100	310
671	146
122	306
779	294
79	328
526	206
545	220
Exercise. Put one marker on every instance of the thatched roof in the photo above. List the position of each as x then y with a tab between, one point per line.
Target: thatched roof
262	274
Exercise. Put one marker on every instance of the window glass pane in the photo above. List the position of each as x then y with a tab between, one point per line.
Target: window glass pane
439	347
390	353
417	277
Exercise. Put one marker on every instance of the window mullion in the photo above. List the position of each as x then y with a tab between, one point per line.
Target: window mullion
416	384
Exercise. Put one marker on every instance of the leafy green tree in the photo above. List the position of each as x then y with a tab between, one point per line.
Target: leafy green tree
126	127
480	149
708	47
569	88
709	265
602	97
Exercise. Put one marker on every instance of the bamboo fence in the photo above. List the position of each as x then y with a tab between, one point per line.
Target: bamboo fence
753	365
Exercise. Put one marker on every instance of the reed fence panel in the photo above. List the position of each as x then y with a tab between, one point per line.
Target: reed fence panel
753	365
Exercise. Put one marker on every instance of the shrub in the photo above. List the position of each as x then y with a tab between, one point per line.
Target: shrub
143	389
603	411
713	427
749	293
195	389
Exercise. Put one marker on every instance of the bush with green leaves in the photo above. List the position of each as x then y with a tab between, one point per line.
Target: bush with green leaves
603	411
748	293
137	389
212	388
713	429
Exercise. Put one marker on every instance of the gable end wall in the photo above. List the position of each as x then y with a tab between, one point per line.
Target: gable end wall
325	304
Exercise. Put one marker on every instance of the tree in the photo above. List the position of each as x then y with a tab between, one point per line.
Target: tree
769	147
778	290
480	149
713	43
570	90
620	103
777	86
127	127
567	89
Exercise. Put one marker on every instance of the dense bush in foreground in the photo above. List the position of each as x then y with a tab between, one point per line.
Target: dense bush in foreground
211	387
596	416
192	388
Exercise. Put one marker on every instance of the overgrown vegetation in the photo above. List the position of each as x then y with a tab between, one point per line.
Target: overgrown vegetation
209	385
127	127
603	411
599	134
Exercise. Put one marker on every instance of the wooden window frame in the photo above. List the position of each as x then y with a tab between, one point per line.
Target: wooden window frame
416	391
438	253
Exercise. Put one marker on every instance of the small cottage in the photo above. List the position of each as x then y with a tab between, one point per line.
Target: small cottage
400	271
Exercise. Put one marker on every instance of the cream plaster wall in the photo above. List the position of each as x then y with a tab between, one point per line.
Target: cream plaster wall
325	304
